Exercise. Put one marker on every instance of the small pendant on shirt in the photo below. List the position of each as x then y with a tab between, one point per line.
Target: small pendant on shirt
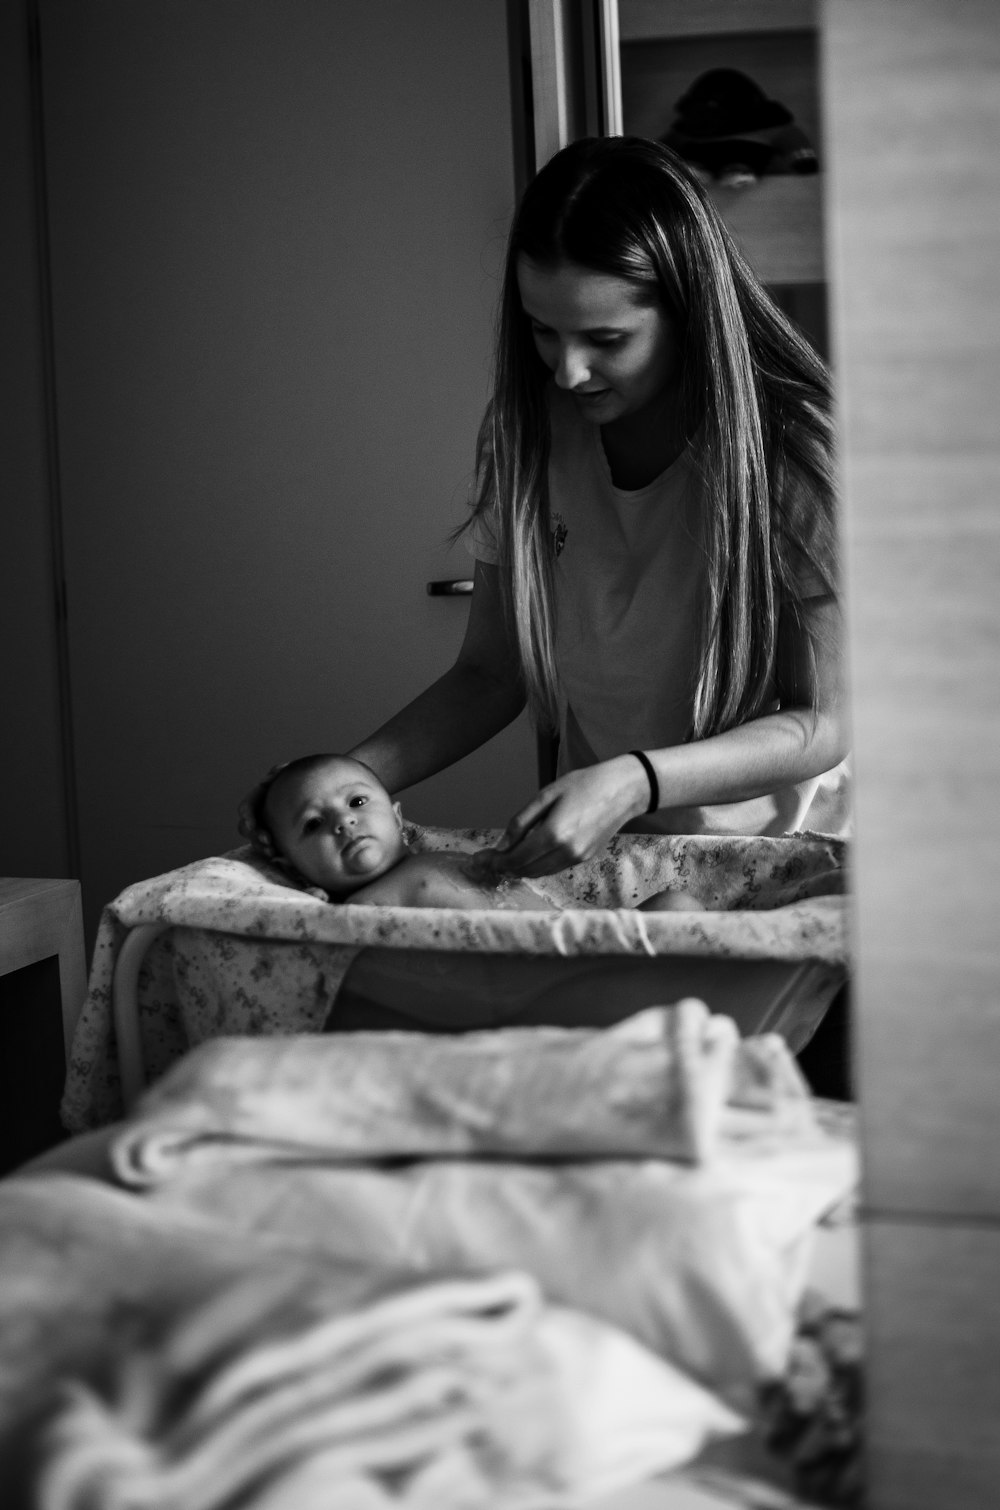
559	533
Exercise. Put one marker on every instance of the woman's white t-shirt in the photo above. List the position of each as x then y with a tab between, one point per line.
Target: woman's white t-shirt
630	574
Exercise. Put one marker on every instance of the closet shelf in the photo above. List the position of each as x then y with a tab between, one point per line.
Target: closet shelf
778	223
650	20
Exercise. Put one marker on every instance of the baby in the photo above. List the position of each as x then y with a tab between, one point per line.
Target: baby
330	824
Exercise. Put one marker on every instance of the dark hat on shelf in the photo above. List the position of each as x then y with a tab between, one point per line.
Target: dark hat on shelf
725	102
726	127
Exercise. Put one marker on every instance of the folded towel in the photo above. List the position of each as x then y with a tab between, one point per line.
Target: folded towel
656	1084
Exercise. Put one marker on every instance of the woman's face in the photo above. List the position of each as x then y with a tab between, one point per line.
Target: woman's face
616	355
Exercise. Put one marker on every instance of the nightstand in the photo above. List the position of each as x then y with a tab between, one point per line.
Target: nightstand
43	982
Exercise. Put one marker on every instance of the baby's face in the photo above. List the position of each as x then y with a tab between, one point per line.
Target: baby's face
337	825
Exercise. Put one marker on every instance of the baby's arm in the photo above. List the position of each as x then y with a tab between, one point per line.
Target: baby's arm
447	880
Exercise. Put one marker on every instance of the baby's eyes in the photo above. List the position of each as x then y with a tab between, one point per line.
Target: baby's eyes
315	821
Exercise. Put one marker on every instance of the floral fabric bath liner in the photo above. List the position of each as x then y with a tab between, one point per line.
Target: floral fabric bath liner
247	953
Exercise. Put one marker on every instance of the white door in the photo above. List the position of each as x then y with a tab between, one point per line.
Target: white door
276	231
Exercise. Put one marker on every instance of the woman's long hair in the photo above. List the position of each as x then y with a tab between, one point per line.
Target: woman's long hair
755	402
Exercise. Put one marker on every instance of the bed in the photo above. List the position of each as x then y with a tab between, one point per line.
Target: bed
561	1165
227	946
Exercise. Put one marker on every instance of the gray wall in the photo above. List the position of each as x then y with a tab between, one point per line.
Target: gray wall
913	118
276	227
32	817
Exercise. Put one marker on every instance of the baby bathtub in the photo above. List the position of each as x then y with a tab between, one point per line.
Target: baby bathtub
226	946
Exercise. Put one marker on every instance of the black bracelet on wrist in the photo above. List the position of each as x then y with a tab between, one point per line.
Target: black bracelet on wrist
654	785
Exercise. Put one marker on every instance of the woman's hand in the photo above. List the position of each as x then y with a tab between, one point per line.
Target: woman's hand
572	818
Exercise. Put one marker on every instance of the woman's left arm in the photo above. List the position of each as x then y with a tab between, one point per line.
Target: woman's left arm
573	817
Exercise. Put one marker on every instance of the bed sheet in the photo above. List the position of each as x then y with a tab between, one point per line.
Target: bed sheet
247	953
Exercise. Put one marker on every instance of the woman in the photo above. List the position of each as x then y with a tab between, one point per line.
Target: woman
653	527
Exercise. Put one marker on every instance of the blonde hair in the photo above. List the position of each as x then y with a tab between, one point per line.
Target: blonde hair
755	401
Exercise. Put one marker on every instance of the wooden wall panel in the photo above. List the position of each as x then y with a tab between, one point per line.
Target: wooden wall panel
913	121
912	97
934	1384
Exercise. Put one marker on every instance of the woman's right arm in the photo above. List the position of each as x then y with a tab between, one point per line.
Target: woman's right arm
480	695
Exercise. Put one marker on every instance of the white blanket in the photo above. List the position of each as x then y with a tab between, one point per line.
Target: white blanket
148	1361
324	1141
703	1265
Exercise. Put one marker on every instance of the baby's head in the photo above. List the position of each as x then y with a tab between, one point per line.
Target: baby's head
329	819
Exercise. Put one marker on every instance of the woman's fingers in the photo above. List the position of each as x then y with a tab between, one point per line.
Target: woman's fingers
548	844
534	852
524	822
535	857
568	821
